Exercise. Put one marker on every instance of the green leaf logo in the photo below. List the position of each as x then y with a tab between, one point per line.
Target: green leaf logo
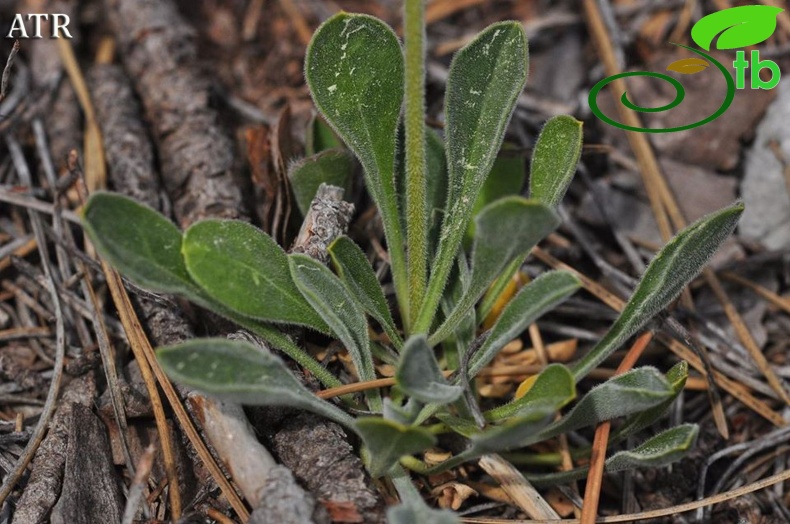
739	27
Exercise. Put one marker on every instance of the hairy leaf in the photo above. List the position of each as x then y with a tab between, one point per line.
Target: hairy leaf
536	298
739	26
554	159
484	82
668	273
144	245
507	229
356	273
419	376
387	441
663	449
245	270
237	371
555	383
354	68
332	167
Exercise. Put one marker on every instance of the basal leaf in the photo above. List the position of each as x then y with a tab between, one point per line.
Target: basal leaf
663	449
332	167
484	82
554	383
387	441
332	300
668	273
140	242
354	68
356	273
739	26
422	513
245	270
436	185
536	298
554	159
320	137
237	371
514	431
419	376
507	229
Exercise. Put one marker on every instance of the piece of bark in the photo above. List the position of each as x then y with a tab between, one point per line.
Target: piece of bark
90	492
46	477
159	53
327	219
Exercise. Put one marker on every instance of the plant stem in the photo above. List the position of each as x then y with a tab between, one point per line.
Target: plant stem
414	119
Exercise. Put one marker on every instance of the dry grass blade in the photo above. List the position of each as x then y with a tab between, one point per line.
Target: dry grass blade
518	488
138	486
778	301
7	70
441	9
147	359
592	492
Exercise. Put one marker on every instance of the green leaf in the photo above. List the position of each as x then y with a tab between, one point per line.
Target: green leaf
357	274
668	273
507	229
463	426
506	178
245	270
622	395
484	82
354	68
332	167
739	26
332	300
387	441
140	242
554	159
536	298
422	513
419	376
436	185
554	383
320	137
663	449
676	377
237	371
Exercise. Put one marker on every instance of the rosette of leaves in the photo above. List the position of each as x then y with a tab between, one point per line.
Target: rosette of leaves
358	77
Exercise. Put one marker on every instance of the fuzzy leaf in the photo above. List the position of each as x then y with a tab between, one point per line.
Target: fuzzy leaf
245	270
320	137
387	441
739	26
356	273
332	300
554	160
332	167
237	371
536	298
419	376
354	68
436	185
506	178
663	449
140	242
484	82
505	230
668	273
555	383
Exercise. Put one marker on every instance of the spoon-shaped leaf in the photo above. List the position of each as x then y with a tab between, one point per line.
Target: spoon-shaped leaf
484	82
387	441
555	383
244	269
739	26
419	376
354	68
332	167
668	273
237	371
554	159
507	229
143	244
333	301
665	448
539	296
356	273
